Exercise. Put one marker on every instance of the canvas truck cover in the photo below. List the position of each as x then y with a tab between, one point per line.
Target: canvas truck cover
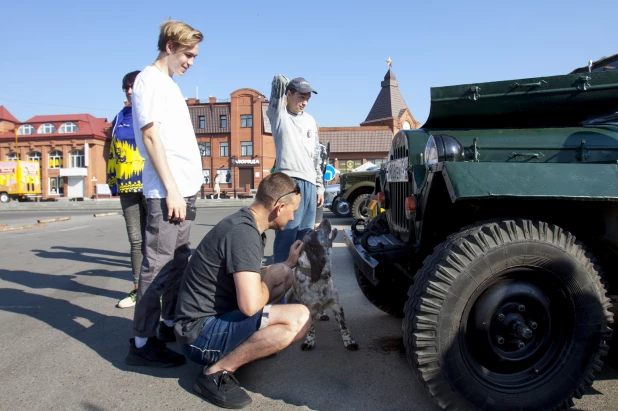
553	101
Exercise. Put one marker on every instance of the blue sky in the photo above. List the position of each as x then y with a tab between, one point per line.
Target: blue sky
63	56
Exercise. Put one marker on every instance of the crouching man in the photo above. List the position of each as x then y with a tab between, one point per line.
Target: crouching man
224	317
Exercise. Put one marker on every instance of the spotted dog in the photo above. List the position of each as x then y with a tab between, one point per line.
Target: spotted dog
313	285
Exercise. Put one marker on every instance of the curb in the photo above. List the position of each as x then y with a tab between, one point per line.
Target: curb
53	220
21	227
105	214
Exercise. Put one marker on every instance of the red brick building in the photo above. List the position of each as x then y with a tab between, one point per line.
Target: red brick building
232	140
71	149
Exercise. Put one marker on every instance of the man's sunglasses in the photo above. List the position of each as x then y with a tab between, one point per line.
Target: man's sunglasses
127	87
295	191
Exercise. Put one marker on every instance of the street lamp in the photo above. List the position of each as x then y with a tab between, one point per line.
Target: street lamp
234	175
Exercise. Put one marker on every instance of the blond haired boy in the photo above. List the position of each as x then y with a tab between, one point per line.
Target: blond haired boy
172	176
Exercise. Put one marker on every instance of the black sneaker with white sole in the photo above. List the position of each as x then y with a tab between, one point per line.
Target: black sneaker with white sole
153	354
222	389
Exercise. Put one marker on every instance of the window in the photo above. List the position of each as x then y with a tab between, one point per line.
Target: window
55	159
25	129
76	158
202	122
47	128
349	165
224	150
246	148
13	156
56	186
34	156
204	149
68	128
378	161
223	121
246	121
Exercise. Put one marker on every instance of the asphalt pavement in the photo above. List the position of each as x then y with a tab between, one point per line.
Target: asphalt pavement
63	341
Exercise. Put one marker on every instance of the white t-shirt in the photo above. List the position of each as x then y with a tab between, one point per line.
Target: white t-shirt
157	98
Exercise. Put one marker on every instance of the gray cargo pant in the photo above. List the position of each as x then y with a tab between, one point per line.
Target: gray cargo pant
135	209
166	255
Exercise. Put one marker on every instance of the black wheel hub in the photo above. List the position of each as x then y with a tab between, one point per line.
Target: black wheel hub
516	325
515	319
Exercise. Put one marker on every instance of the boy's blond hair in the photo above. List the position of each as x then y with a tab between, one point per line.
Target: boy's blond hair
179	33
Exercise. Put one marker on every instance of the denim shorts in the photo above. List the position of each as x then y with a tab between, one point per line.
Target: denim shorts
222	334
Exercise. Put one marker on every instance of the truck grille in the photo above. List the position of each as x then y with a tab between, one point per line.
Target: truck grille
398	191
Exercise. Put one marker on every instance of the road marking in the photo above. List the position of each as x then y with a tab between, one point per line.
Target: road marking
50	231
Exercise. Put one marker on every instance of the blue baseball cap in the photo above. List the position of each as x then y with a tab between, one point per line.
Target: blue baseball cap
301	85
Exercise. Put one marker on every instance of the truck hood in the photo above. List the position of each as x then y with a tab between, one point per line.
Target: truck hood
554	101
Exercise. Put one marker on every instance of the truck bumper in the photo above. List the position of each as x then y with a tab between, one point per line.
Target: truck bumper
365	262
393	251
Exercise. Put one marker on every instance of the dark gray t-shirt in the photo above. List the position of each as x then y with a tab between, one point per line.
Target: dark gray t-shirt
208	287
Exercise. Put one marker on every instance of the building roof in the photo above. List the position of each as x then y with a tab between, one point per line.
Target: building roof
390	103
357	139
606	63
211	113
6	116
88	126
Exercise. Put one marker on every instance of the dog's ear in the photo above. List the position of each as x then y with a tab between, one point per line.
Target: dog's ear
333	235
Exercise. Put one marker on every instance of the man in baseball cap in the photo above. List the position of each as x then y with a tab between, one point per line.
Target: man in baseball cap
296	136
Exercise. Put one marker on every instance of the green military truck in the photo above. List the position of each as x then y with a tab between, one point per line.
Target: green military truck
355	188
499	240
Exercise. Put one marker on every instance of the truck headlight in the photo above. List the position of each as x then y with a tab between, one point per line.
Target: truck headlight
431	151
442	147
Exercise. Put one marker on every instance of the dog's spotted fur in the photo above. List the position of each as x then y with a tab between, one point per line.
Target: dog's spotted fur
313	285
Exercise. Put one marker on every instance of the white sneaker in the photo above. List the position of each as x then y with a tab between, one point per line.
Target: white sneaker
129	300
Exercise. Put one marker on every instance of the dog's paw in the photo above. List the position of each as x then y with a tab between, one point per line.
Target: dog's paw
306	347
323	317
353	346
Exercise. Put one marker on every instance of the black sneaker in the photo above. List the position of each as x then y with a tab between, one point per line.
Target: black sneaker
153	354
166	334
222	389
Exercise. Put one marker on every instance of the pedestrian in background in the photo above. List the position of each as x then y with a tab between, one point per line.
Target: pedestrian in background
172	177
218	186
124	177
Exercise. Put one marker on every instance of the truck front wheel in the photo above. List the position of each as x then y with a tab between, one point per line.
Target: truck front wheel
389	295
4	198
507	315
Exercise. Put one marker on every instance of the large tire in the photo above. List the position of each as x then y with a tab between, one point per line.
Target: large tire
489	282
4	198
359	207
389	295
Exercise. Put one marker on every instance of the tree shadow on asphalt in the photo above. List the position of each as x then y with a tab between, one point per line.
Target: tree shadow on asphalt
87	255
107	335
64	282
